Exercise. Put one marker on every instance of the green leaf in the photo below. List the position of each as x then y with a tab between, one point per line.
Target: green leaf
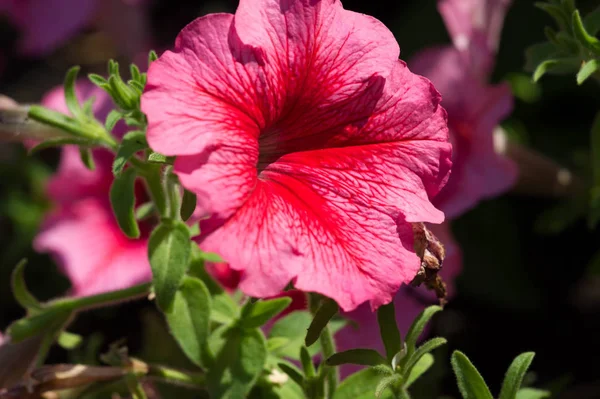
59	142
190	319
169	253
258	313
293	327
276	342
587	40
69	341
470	382
135	72
224	309
543	68
592	22
326	311
421	351
211	257
113	117
38	324
420	368
385	383
515	374
390	335
307	363
123	95
361	385
97	80
70	96
122	199
188	205
587	69
292	373
155	157
365	357
532	393
152	57
22	295
417	327
238	364
58	120
132	142
86	158
144	211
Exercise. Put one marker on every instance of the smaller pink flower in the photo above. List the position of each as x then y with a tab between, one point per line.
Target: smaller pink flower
408	302
475	27
475	108
81	232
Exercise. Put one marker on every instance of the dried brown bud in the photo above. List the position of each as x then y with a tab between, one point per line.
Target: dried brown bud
431	252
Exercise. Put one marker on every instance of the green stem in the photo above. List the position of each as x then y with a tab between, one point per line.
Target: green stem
177	377
104	299
153	179
327	348
173	193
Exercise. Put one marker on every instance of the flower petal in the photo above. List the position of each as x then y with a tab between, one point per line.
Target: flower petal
474	110
204	92
475	26
92	251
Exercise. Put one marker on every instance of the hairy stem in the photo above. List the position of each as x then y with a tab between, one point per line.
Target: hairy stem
104	299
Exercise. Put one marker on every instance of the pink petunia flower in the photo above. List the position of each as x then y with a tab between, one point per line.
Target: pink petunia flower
45	25
306	140
475	108
408	302
82	233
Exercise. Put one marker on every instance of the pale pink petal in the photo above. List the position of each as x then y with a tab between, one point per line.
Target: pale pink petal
91	250
475	27
474	110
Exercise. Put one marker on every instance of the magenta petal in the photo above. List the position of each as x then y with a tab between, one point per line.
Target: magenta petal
310	146
91	250
202	94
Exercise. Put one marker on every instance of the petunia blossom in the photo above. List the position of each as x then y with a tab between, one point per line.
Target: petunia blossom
474	106
310	146
82	232
408	302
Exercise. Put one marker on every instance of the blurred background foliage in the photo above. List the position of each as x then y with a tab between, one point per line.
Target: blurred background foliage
530	280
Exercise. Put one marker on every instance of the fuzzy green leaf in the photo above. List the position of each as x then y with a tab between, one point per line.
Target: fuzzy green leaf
238	363
258	313
190	319
122	199
515	374
188	205
470	382
365	357
169	253
132	142
326	311
390	335
20	291
418	325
